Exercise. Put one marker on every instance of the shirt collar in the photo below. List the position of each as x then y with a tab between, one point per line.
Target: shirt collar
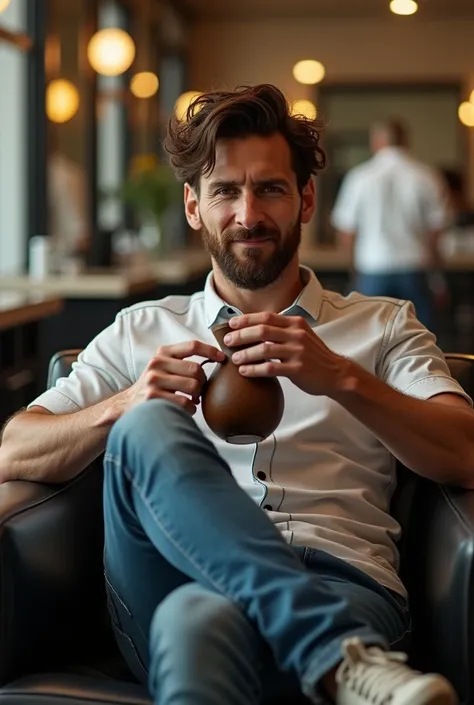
307	304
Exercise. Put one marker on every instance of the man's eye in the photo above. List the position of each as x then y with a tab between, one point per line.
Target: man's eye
273	189
225	192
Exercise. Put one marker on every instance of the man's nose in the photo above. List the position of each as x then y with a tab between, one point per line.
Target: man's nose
249	213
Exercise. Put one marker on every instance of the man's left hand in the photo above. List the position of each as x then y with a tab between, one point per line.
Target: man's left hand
285	346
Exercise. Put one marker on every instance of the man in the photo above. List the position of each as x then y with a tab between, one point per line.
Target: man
392	210
232	567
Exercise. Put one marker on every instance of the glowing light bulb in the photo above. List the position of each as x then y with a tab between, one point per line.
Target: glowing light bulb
466	113
111	51
144	84
183	103
404	7
62	100
309	71
304	107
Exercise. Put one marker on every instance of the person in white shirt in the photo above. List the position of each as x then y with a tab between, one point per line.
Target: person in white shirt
392	210
233	568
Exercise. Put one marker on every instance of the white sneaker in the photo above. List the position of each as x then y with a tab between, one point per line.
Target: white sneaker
369	675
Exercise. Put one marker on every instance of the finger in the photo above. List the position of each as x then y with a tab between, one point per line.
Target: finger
264	351
173	383
178	399
258	333
182	368
264	317
189	348
268	369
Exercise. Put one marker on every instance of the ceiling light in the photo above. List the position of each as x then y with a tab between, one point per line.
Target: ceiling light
62	100
304	107
111	51
404	7
309	71
144	84
4	4
183	103
466	113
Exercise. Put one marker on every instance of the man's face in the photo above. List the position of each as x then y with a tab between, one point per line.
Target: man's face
249	210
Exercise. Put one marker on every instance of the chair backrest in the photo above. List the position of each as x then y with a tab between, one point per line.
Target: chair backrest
462	369
408	484
60	365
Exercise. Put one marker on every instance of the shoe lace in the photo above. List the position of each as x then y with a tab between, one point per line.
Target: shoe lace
372	673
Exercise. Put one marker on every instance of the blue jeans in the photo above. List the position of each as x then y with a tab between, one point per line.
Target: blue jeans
410	285
209	604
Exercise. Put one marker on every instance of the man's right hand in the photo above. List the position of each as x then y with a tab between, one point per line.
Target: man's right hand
168	375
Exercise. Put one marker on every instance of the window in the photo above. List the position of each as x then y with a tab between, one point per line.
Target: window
14	45
69	130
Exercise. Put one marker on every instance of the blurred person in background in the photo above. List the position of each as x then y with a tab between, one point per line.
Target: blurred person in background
391	211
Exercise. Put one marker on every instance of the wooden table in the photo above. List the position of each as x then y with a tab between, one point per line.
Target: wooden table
19	309
22	316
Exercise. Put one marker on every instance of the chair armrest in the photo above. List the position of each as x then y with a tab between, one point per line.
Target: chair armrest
51	581
65	689
72	690
439	573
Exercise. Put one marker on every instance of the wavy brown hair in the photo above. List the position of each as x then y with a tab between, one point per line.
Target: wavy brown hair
249	110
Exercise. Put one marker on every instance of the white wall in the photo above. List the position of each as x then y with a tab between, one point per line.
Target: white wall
13	186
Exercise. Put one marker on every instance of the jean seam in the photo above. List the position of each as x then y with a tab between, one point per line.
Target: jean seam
116	628
117	462
402	636
111	587
407	631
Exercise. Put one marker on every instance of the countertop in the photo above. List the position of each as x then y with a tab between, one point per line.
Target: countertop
93	283
114	283
17	308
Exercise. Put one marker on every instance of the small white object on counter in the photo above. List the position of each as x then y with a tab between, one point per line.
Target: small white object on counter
39	257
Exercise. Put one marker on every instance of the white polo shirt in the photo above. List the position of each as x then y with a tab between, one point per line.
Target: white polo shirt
391	203
322	477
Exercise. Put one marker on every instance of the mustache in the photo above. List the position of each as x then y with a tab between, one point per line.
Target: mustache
259	232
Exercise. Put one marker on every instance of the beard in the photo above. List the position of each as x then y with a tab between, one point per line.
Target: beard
254	269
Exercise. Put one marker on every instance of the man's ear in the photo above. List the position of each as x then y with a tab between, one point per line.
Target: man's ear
191	207
308	202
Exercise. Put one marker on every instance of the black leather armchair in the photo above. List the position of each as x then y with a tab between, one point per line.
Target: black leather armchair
55	636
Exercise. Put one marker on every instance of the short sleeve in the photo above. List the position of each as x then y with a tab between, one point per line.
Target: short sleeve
412	362
102	369
344	215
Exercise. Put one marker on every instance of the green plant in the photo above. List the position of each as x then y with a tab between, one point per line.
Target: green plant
151	190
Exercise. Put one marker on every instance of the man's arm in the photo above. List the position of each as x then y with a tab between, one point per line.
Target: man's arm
434	438
432	435
44	447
